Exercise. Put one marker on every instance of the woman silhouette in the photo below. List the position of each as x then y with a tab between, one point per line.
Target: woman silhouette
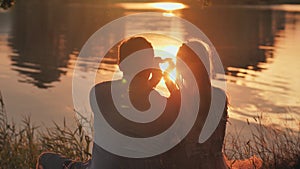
208	154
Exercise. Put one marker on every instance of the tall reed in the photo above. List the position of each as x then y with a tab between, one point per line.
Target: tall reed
277	148
20	145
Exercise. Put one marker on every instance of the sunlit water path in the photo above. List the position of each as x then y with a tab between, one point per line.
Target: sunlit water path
258	45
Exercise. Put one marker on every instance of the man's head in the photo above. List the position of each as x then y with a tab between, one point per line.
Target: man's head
132	45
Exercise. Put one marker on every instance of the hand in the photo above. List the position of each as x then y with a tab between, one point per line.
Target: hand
171	65
171	85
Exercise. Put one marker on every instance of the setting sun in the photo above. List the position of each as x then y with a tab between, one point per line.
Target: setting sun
169	6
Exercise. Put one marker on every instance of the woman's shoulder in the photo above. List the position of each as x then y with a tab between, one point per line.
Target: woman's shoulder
219	92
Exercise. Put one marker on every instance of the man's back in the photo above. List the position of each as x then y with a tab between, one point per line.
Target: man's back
105	103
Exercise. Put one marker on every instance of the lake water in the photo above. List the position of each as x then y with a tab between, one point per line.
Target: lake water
258	45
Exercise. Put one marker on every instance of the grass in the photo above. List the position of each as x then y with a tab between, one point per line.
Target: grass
20	146
275	148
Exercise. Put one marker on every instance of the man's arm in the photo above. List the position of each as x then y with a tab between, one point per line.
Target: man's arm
156	77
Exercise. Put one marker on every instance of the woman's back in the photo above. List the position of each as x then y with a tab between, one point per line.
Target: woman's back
207	154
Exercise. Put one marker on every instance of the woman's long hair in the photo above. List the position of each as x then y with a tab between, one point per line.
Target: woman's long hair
200	68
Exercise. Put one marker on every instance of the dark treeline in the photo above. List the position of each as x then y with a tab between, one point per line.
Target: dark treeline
211	1
8	3
254	2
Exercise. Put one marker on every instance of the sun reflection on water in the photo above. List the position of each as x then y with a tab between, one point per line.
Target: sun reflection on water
166	6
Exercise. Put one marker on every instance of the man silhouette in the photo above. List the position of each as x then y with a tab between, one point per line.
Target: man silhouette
139	89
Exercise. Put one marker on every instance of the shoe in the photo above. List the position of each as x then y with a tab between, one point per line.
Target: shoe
56	161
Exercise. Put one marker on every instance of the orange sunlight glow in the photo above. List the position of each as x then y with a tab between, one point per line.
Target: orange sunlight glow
168	6
168	14
169	52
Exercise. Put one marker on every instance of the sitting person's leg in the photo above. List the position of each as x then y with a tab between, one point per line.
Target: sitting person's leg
50	160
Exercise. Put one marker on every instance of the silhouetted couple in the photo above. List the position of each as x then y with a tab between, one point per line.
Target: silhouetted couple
125	105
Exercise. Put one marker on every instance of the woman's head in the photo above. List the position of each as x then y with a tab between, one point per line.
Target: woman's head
196	56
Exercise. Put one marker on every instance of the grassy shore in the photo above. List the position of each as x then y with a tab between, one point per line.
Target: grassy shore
277	148
21	145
